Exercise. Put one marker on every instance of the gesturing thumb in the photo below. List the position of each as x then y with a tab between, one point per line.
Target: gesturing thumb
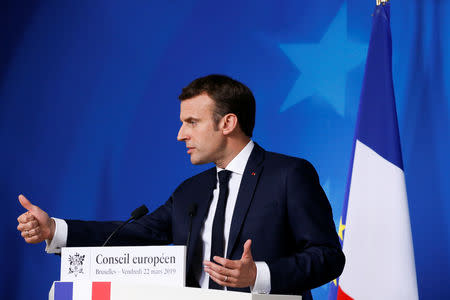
38	213
26	203
247	254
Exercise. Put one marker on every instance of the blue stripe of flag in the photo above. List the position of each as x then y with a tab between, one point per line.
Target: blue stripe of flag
377	125
63	290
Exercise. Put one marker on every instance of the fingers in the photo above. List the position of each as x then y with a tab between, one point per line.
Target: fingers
28	225
25	202
35	239
32	236
28	229
223	280
224	271
229	274
30	233
25	217
239	277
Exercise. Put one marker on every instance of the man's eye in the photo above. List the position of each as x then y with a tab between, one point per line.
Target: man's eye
193	122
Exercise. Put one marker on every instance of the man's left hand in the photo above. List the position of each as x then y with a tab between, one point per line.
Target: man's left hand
233	273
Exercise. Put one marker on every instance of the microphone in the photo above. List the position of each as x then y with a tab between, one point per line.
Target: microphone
191	213
135	214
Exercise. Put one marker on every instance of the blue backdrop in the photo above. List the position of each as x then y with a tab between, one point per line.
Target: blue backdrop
89	111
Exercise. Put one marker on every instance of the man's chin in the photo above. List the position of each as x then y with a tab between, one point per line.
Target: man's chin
196	162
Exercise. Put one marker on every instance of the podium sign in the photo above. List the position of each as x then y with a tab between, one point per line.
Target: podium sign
162	265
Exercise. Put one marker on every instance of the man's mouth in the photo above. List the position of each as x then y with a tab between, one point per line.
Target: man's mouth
190	149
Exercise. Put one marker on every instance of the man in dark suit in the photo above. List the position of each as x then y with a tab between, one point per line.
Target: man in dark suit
263	223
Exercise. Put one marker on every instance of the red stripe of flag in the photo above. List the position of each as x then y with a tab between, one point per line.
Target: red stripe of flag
342	296
101	290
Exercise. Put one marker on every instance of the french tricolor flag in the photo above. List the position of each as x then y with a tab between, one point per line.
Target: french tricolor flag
375	225
85	290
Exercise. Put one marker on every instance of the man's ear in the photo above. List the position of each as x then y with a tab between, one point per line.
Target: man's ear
230	124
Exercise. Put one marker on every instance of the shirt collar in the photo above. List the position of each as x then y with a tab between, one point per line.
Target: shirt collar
237	165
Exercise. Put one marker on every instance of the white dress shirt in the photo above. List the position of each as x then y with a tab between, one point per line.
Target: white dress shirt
237	167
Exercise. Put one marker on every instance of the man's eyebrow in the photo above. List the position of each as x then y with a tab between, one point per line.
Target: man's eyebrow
190	119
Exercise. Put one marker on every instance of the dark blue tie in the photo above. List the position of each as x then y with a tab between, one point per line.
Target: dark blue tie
218	237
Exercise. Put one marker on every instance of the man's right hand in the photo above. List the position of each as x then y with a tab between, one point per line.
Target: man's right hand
35	225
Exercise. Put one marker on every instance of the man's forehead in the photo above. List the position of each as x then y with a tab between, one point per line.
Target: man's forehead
196	107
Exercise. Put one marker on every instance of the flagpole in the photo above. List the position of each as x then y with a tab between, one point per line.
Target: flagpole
379	2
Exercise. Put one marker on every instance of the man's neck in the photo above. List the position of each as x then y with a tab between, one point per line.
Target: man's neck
234	147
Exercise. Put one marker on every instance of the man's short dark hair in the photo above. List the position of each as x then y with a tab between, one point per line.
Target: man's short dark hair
229	95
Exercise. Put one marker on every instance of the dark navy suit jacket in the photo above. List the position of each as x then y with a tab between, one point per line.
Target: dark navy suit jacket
280	206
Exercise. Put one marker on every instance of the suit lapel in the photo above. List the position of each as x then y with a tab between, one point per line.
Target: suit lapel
252	172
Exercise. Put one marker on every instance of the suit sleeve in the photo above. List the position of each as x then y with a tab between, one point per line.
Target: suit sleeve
152	229
317	257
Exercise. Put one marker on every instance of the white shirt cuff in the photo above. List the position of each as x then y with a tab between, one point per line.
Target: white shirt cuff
262	282
59	238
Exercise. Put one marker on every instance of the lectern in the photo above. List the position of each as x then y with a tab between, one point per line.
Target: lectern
126	290
134	273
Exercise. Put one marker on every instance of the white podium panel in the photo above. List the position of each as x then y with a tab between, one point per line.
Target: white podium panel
127	290
156	265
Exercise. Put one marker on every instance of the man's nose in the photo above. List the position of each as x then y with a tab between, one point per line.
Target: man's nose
181	135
